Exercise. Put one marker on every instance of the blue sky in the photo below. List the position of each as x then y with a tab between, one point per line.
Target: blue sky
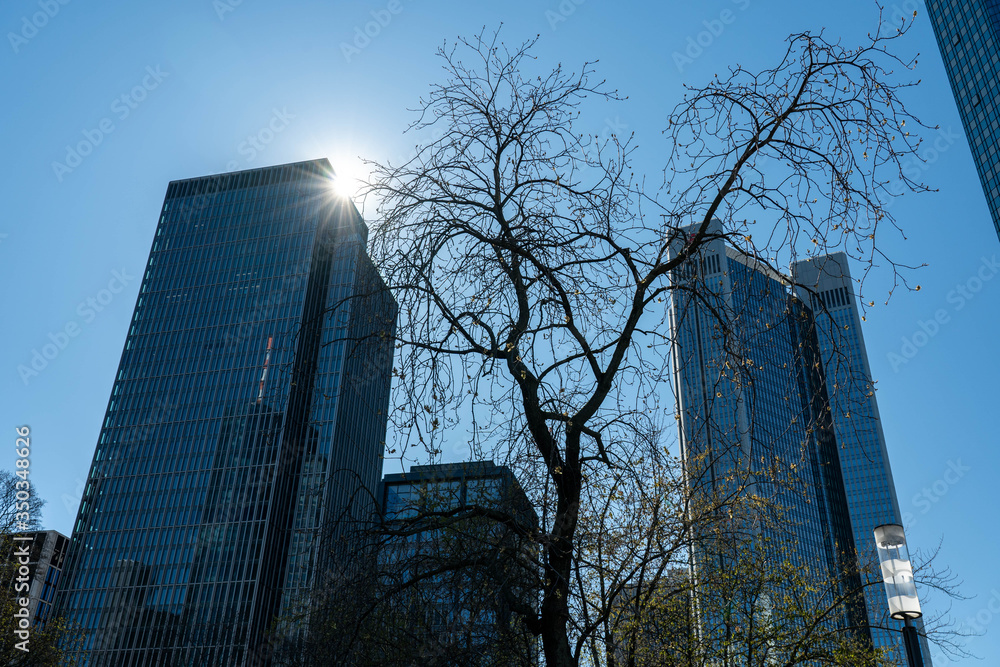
162	91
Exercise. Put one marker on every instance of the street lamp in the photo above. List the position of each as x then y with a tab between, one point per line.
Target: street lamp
897	573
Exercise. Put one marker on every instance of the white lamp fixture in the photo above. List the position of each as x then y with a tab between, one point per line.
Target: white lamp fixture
897	572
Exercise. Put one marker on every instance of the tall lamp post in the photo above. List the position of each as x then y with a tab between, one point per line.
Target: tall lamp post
897	573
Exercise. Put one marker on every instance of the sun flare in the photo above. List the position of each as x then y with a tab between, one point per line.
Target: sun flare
342	187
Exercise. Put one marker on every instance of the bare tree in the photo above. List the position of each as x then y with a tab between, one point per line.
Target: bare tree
15	515
532	271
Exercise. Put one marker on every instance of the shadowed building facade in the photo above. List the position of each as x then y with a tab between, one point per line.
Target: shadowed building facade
871	494
245	423
968	35
46	555
463	613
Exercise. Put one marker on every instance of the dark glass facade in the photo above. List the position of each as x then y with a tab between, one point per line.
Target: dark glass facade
968	35
462	611
867	477
751	407
46	557
248	408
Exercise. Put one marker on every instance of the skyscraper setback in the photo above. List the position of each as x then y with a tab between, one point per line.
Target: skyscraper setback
767	371
826	285
249	407
750	407
968	35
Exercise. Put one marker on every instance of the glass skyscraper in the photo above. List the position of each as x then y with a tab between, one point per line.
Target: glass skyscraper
788	379
245	423
871	495
968	35
751	408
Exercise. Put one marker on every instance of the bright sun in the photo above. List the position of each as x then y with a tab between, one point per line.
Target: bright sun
344	186
348	179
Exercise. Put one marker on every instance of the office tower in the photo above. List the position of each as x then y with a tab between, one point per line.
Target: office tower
968	35
464	611
826	285
245	423
46	555
752	419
